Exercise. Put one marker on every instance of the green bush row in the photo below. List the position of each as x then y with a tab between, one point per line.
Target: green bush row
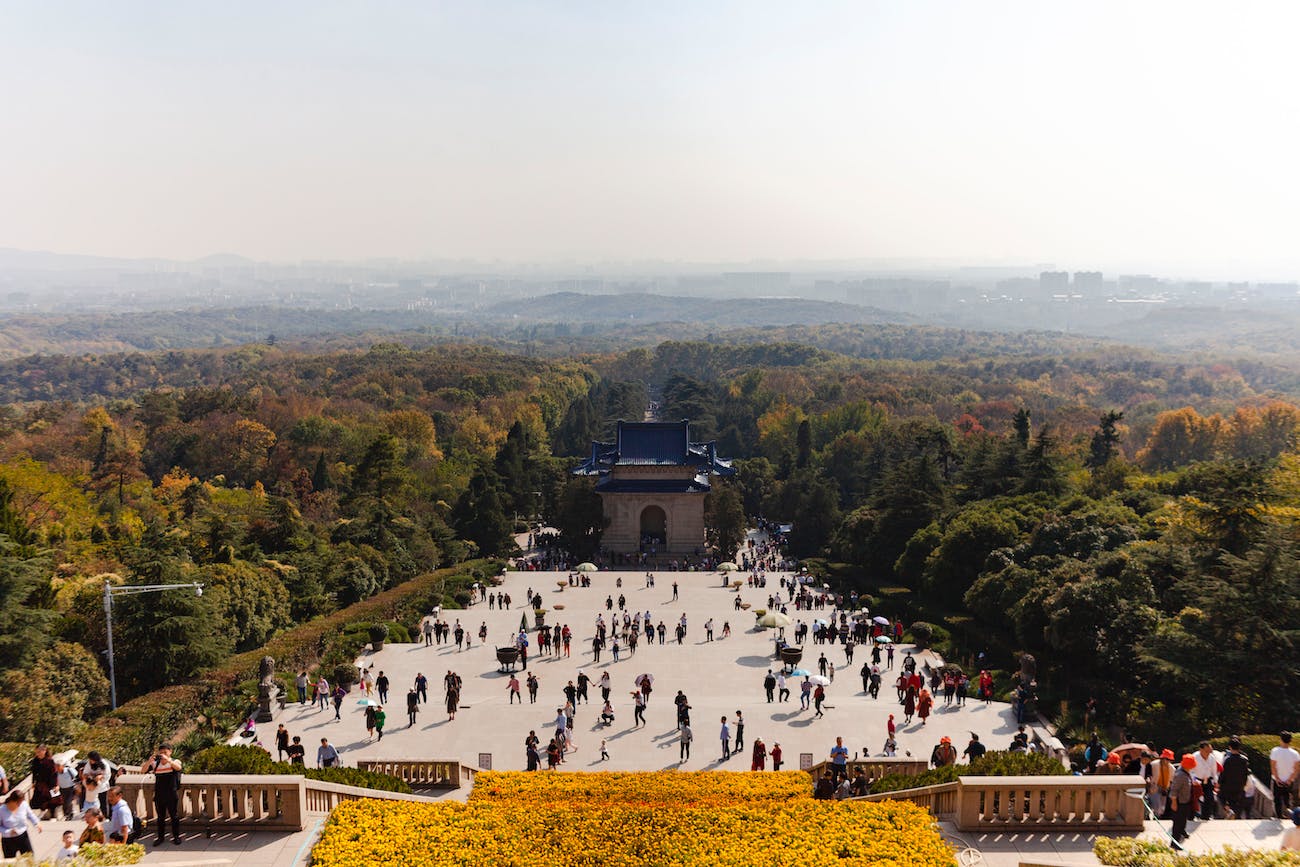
254	760
992	764
1132	852
134	729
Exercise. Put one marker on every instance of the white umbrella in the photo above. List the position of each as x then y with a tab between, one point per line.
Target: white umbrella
884	639
774	619
821	622
728	567
883	621
818	680
368	702
586	567
642	678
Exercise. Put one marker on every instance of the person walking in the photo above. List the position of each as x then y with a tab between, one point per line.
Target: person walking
776	756
1232	780
370	722
422	686
167	790
16	821
380	718
300	682
339	692
512	689
638	714
769	686
604	686
327	756
782	690
381	684
1283	762
740	733
725	736
758	761
819	696
281	741
685	736
323	692
412	707
532	683
1180	799
805	694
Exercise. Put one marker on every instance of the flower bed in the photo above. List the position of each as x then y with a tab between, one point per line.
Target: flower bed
1132	852
593	819
662	787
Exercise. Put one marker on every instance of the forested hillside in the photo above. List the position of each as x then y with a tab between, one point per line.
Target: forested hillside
1127	518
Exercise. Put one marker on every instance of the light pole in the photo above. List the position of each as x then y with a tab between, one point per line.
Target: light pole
130	590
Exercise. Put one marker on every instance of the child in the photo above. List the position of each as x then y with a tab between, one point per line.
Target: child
69	849
604	753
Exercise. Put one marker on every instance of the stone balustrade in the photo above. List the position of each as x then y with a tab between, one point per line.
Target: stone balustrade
1100	802
940	800
876	768
218	802
423	773
1097	802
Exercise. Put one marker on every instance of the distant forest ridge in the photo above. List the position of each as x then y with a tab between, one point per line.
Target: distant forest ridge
566	324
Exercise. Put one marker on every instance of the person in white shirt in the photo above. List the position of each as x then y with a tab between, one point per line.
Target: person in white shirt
1283	761
16	817
69	849
1208	763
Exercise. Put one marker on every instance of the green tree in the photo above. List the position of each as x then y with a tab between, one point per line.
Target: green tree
580	518
252	602
724	520
480	515
53	700
24	622
164	637
381	468
1104	445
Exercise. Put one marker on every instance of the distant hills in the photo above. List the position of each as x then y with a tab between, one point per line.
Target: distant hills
721	312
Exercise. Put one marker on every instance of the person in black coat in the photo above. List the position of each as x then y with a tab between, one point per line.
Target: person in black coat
1232	780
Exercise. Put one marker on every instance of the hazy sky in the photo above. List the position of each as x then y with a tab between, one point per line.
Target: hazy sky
1086	133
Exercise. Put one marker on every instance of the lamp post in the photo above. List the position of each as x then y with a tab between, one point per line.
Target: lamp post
130	590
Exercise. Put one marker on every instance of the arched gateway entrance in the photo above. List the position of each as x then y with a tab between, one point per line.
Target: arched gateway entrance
654	525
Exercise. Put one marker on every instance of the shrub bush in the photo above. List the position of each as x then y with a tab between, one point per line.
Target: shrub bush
992	764
254	760
1132	852
398	634
1000	763
377	632
932	777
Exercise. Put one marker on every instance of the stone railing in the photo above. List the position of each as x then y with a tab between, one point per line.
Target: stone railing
940	800
875	769
1110	802
423	773
247	802
1102	802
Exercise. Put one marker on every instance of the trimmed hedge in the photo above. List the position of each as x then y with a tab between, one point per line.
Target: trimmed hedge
129	733
1134	852
992	764
254	760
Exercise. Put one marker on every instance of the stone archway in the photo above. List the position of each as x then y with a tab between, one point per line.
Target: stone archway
654	525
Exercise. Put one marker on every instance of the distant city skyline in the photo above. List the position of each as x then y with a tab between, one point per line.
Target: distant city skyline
1153	137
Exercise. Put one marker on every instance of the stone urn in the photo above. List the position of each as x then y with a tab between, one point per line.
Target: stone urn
790	656
539	618
507	656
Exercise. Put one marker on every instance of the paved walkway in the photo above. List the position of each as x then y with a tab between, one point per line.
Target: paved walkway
718	677
1056	848
256	849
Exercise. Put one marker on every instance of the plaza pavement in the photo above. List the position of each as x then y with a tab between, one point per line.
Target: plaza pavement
718	678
